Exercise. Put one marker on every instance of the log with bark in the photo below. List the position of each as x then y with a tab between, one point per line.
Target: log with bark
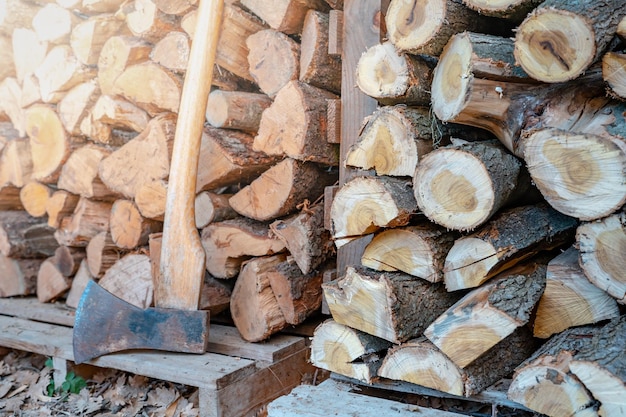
281	189
346	351
418	250
239	110
211	207
561	39
570	299
305	238
19	276
318	67
10	199
391	305
23	236
614	73
355	213
274	60
395	78
499	244
515	10
462	186
146	21
601	258
489	314
574	371
295	125
229	243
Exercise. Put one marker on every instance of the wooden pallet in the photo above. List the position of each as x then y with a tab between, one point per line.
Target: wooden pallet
235	378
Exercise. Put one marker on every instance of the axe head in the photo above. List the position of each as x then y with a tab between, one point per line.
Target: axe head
105	324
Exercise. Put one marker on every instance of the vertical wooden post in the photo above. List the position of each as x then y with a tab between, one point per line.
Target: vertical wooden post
363	26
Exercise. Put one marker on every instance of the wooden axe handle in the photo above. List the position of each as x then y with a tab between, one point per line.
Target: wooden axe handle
182	264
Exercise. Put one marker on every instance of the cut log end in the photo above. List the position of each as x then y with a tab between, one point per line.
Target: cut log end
413	23
382	72
555	45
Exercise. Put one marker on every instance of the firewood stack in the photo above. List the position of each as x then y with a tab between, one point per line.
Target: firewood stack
87	118
488	187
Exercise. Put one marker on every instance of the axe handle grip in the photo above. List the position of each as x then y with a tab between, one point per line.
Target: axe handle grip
182	265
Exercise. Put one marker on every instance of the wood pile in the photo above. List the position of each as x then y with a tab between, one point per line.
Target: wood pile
88	112
482	212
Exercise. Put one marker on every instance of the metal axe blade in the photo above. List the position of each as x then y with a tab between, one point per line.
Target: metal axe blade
108	324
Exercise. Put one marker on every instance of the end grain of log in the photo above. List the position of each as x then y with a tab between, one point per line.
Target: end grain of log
286	16
34	197
129	229
79	174
238	110
118	53
60	204
19	276
130	279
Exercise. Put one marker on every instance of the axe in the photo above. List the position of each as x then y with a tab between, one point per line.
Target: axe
104	323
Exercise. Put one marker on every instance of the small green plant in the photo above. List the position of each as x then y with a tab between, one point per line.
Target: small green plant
72	384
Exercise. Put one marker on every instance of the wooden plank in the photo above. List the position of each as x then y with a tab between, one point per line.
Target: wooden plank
31	308
334	398
208	370
362	28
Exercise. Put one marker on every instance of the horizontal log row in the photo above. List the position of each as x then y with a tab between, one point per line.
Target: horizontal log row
87	119
487	193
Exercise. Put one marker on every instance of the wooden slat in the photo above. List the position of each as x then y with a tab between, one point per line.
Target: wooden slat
362	22
334	398
222	339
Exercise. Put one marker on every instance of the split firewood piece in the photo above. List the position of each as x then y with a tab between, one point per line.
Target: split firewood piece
420	362
281	189
16	14
102	253
410	32
229	243
317	66
212	207
127	168
172	51
286	16
490	313
570	299
227	158
346	351
514	10
614	73
395	138
354	212
129	229
130	279
118	53
10	198
89	36
232	52
31	92
34	197
60	71
49	143
150	199
27	53
24	236
418	250
274	60
305	237
79	282
96	131
11	103
295	125
76	104
239	110
99	6
150	86
500	243
119	113
54	23
176	7
391	305
298	295
16	163
601	246
6	55
68	259
462	186
579	174
253	305
19	276
89	218
51	283
147	22
392	77
60	204
548	372
560	39
79	174
600	367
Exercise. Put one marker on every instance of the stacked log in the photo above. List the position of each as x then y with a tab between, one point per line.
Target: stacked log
477	247
88	111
